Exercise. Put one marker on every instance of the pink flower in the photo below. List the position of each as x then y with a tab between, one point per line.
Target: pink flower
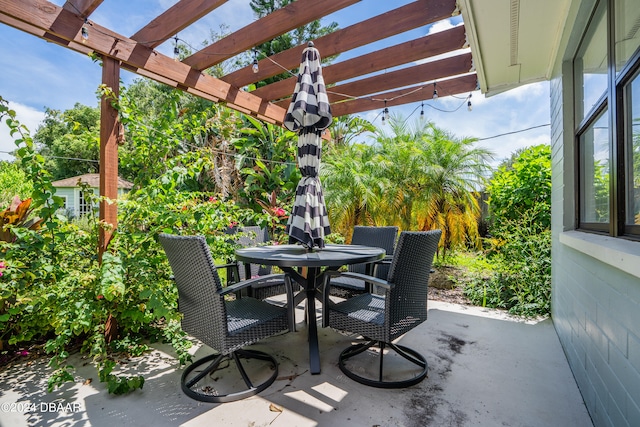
100	297
213	199
279	212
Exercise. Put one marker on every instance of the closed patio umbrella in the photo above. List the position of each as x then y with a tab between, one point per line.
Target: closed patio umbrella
309	114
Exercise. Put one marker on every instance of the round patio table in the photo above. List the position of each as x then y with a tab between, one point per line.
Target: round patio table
293	259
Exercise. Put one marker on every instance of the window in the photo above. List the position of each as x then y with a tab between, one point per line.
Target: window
627	31
84	206
590	65
607	110
632	154
594	171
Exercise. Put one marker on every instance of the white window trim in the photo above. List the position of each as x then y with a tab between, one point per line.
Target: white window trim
614	251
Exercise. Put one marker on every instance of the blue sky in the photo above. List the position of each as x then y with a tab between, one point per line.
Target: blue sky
35	75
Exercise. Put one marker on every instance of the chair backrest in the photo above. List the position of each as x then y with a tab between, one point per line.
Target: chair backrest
409	273
380	237
195	274
254	236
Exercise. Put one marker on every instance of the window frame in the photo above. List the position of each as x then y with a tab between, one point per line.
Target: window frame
84	206
594	116
614	100
627	74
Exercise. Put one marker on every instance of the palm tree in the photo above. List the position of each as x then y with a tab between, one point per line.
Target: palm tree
454	173
351	186
266	163
400	166
432	179
345	129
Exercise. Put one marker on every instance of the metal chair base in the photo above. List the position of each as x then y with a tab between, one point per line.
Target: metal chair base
192	389
407	353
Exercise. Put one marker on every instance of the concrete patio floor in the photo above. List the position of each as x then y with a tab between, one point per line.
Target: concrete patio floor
484	370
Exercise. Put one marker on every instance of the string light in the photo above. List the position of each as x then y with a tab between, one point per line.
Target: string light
422	111
385	113
85	31
176	51
255	67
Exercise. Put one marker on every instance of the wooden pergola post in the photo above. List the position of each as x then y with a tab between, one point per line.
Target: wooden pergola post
109	134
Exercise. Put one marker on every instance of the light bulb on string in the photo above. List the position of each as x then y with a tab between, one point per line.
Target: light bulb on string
254	66
85	31
435	92
422	111
176	50
469	106
385	112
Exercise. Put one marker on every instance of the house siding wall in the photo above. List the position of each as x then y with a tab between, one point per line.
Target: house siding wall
73	197
595	306
69	193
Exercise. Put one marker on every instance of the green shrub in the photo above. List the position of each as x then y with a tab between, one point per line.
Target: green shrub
521	276
13	182
519	246
55	291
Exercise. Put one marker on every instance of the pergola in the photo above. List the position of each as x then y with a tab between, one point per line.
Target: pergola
355	86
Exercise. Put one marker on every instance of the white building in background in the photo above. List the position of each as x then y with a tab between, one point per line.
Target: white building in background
75	201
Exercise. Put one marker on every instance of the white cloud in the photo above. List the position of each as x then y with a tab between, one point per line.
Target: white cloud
440	26
27	116
522	93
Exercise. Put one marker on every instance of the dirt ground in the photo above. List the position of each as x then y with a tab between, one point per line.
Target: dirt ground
442	285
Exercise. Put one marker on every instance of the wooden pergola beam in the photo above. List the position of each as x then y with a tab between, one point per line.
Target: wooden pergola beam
400	20
455	86
173	20
413	50
109	134
429	71
411	75
277	23
82	8
63	27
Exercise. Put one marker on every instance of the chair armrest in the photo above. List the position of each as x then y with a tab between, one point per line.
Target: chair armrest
246	283
227	265
373	280
233	272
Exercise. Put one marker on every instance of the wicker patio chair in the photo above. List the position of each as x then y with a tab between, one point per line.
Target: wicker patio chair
381	319
381	237
226	325
272	284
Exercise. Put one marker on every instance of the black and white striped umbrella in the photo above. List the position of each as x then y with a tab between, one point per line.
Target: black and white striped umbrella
309	114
